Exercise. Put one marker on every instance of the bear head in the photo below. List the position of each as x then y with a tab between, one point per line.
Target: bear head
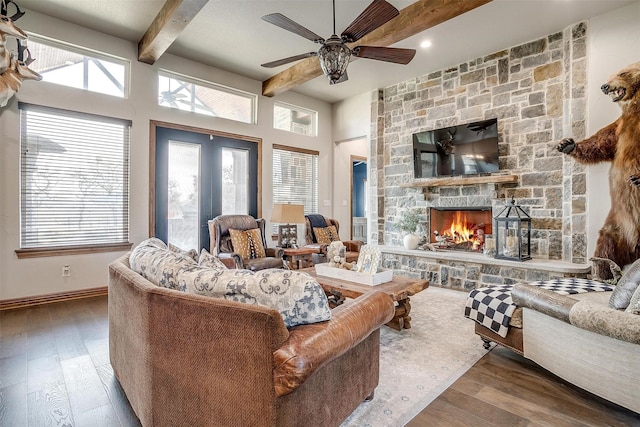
624	86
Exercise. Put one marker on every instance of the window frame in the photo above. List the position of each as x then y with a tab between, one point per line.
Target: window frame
252	97
91	53
314	118
90	247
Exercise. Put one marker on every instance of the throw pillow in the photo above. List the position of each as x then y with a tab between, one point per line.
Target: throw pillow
153	260
634	304
191	253
248	243
326	235
626	286
297	296
207	260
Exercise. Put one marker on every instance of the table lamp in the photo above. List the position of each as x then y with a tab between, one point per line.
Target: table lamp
287	216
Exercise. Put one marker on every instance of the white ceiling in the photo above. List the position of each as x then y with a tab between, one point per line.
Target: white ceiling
229	34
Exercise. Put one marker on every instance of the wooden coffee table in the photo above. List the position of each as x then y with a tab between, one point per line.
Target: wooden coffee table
399	289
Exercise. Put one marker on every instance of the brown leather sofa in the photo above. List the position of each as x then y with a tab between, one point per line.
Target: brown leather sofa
222	248
190	360
352	246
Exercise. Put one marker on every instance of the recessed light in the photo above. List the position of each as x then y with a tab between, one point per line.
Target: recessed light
425	44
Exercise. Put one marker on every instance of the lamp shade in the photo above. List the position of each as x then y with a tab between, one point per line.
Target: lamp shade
286	213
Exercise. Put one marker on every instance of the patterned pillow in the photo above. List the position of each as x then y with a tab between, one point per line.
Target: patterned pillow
207	260
634	304
626	286
191	253
153	260
248	243
297	296
326	235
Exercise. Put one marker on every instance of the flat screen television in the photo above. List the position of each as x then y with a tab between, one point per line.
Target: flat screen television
466	149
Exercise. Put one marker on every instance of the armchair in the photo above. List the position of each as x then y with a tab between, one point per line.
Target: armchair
222	245
352	246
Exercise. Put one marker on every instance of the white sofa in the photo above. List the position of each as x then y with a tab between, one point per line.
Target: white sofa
583	341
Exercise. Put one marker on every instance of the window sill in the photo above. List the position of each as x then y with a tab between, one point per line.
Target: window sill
71	250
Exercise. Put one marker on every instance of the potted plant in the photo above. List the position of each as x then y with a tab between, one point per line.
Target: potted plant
408	223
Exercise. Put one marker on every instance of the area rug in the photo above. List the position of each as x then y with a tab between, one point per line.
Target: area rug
418	364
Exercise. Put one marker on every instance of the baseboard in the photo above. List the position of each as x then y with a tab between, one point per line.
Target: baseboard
9	304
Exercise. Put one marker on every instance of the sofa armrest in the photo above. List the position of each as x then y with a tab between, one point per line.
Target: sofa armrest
543	300
274	252
607	321
236	259
353	245
309	347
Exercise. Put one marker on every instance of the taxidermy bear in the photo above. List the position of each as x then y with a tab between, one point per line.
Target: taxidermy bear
619	143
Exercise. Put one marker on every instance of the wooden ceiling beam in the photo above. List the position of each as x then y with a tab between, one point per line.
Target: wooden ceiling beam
412	20
172	19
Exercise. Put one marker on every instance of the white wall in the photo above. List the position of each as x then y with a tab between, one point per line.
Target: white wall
351	124
614	42
39	276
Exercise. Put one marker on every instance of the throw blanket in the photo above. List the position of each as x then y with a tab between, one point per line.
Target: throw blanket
316	221
492	306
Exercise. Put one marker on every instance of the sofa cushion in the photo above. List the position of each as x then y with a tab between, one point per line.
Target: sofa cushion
207	260
297	296
626	286
191	253
247	243
326	235
153	260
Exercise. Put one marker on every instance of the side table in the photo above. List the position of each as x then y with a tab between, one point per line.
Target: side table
299	257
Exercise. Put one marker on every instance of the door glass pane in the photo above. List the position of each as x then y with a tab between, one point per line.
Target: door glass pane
183	192
235	179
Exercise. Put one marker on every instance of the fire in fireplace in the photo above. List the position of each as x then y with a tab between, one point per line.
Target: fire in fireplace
460	228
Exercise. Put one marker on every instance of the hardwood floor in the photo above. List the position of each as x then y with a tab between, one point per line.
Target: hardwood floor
55	371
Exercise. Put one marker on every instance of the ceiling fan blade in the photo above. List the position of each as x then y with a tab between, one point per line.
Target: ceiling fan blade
282	21
376	14
388	54
283	61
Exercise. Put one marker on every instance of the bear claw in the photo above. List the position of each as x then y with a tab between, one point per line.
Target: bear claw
635	180
566	146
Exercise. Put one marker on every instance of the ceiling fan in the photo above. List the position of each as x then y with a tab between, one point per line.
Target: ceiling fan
334	54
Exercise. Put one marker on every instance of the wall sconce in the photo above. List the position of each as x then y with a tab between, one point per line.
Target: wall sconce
513	233
287	216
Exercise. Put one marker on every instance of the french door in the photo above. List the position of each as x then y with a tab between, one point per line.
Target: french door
197	177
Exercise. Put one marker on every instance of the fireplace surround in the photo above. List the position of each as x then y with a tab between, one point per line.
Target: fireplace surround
460	228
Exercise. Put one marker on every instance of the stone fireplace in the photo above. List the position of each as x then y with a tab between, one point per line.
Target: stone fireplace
460	228
537	91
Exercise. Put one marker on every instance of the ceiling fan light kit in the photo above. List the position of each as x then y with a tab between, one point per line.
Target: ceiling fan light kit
334	54
334	57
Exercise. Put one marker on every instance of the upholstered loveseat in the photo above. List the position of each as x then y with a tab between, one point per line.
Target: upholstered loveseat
589	339
185	359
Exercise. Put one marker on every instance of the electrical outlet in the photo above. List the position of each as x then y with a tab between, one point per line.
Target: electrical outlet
66	271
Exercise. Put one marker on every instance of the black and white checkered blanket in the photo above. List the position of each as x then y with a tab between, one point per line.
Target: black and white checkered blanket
492	306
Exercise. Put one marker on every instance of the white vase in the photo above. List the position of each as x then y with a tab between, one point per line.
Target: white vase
411	241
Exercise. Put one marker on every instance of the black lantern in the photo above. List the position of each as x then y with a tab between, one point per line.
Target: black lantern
513	233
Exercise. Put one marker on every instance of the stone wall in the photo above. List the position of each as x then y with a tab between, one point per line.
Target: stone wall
537	92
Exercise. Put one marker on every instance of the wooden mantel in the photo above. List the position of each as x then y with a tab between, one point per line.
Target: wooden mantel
462	180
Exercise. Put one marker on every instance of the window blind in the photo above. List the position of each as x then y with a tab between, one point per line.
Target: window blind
74	178
295	177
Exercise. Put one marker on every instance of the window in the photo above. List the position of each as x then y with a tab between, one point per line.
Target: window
75	179
294	119
189	94
75	67
295	177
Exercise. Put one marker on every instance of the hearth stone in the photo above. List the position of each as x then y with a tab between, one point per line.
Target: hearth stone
464	271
